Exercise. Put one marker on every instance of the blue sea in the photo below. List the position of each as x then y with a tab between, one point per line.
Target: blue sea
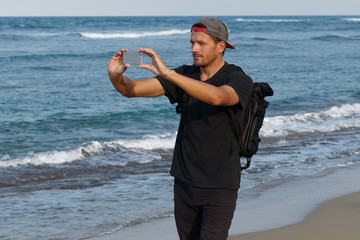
79	160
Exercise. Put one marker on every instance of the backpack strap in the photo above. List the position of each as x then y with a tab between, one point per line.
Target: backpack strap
180	107
248	161
180	103
238	129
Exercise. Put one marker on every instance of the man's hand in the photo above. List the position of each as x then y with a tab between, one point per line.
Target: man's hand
158	67
128	87
115	69
116	65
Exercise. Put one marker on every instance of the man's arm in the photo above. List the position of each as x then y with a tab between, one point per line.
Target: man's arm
217	96
128	87
223	95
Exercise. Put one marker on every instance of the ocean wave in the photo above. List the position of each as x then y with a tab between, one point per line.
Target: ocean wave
334	119
275	20
133	34
33	35
137	146
150	142
335	37
51	56
352	19
52	157
34	25
147	148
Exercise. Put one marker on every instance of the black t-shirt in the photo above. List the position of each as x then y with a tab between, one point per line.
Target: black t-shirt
206	153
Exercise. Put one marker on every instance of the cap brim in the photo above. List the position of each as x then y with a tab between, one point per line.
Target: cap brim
228	45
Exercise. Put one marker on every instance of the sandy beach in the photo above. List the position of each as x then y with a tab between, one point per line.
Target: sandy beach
336	219
324	207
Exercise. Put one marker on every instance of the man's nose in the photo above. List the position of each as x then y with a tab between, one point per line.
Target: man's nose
195	47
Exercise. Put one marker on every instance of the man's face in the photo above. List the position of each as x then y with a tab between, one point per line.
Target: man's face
204	49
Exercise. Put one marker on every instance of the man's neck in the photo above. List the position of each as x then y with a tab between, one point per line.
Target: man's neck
210	70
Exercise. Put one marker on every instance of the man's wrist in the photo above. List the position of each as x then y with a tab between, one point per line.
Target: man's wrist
170	75
116	79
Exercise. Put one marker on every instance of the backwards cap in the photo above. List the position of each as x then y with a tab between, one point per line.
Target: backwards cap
213	27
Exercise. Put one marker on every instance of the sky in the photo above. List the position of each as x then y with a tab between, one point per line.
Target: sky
177	7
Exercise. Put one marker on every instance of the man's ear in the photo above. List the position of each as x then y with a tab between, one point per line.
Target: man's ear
221	46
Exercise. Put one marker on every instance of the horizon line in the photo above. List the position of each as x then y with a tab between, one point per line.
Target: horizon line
201	15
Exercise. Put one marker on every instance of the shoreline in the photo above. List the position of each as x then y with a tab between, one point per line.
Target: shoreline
291	203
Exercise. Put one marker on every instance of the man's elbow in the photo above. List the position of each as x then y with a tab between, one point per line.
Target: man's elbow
123	91
127	95
216	102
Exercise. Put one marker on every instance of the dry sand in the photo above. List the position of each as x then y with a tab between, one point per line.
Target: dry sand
338	219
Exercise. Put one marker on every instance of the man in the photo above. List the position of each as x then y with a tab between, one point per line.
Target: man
206	162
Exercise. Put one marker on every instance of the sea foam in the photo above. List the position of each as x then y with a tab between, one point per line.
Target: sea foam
333	119
138	146
133	34
352	19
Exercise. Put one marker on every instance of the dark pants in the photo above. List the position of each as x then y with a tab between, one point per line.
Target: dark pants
203	214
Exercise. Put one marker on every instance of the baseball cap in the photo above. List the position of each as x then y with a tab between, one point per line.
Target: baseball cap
213	27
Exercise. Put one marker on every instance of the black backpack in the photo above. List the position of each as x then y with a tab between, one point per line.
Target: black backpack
247	131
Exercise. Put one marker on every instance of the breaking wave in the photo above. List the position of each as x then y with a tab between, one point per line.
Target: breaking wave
133	34
336	118
139	146
352	19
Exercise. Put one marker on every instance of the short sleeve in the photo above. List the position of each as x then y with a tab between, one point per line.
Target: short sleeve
242	84
171	90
